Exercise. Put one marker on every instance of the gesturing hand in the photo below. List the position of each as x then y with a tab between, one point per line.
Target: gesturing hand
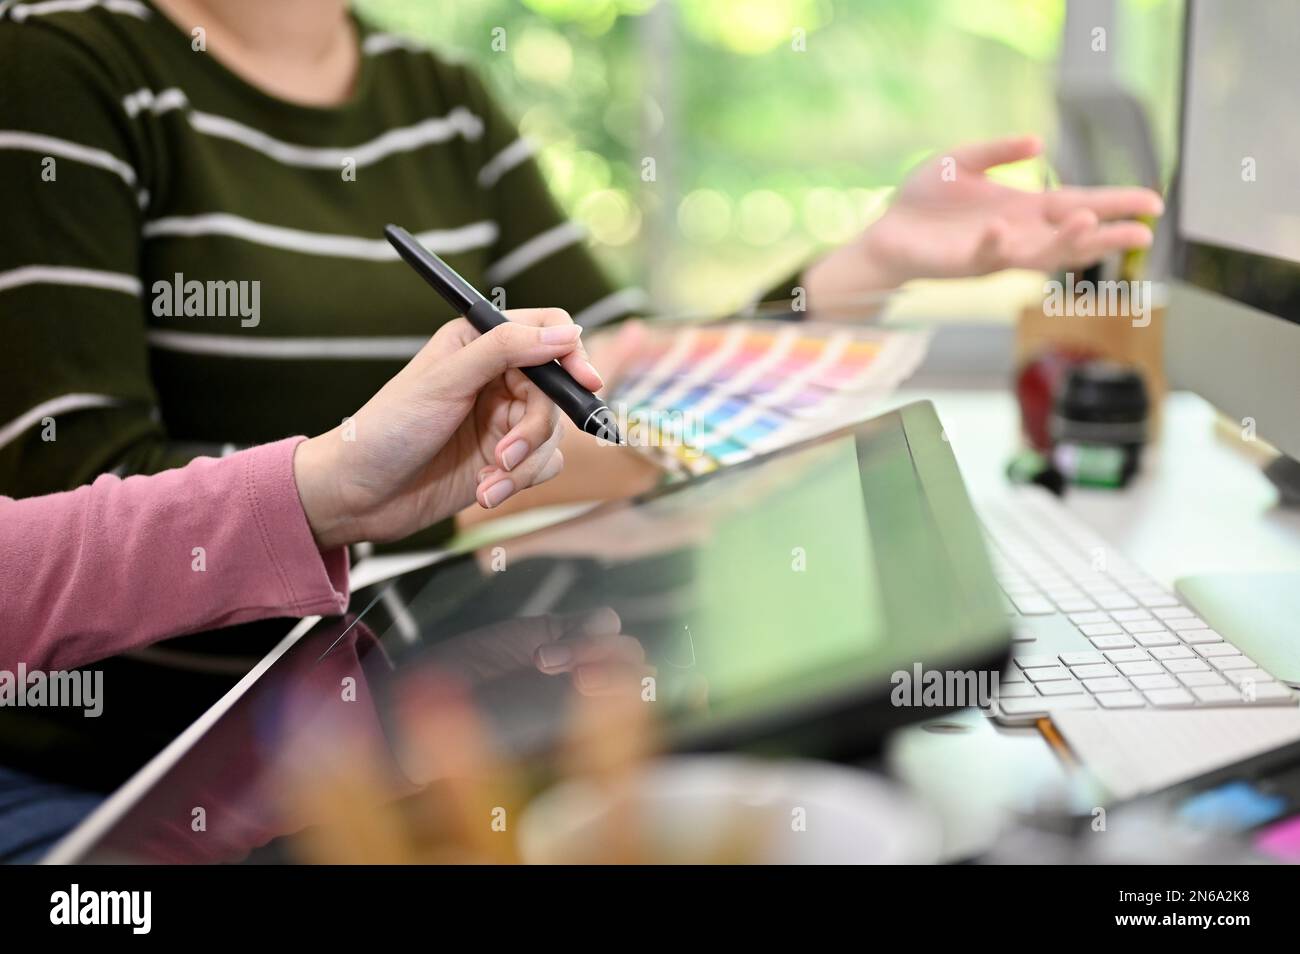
949	220
460	422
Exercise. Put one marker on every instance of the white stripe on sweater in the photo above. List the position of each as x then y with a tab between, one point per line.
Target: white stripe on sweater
458	122
52	146
63	275
505	160
51	408
132	8
533	251
443	241
239	346
612	305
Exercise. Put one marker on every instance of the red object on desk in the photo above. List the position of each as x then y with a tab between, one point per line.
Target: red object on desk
1037	384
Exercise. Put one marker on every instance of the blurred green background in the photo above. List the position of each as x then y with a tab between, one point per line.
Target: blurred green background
776	127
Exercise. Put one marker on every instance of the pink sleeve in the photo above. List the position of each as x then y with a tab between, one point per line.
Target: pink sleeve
119	564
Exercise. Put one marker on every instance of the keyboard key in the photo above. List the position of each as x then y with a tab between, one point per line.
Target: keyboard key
1165	638
1173	612
1194	637
1015	690
1111	642
1036	661
1239	676
1140	586
1093	671
1161	681
1187	665
1101	629
1110	684
1121	700
1012	675
1047	674
1219	695
1157	600
1194	679
1130	616
1144	626
1170	698
1173	652
1074	605
1029	707
1144	668
1105	589
1127	655
1188	622
1033	605
1266	692
1115	602
1079	619
1059	688
1217	649
1081	659
1225	663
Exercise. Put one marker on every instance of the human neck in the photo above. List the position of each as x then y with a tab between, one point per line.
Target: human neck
304	51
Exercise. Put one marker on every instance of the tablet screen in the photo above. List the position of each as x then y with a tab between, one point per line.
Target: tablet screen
800	578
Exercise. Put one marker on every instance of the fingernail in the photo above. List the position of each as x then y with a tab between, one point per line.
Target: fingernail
498	492
512	455
554	656
560	334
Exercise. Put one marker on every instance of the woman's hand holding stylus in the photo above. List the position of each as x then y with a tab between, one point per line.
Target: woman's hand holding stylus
459	423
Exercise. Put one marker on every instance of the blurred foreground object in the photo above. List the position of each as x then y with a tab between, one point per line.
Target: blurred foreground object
728	809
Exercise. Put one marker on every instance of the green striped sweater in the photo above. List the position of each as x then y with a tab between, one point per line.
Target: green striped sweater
189	264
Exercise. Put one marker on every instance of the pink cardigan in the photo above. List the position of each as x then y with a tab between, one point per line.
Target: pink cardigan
119	564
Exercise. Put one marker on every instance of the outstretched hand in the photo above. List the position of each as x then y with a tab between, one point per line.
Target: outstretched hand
950	220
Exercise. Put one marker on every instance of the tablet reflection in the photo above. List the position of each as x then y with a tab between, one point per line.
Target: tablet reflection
340	754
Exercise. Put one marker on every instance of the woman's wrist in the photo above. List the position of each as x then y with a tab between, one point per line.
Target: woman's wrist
849	276
315	472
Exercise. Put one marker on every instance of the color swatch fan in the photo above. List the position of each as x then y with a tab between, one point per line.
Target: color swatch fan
703	396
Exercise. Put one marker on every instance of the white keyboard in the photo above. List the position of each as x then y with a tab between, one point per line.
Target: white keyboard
1094	631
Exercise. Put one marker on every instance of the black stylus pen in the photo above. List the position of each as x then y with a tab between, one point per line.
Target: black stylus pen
586	410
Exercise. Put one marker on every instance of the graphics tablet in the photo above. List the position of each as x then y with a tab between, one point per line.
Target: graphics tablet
770	606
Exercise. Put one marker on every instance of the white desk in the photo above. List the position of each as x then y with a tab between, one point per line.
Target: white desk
1200	505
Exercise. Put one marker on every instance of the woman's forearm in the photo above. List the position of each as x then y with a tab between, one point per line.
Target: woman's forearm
121	563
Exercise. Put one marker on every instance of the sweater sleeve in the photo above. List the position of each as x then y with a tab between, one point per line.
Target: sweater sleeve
121	563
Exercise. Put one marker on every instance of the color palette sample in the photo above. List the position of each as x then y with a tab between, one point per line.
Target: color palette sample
699	397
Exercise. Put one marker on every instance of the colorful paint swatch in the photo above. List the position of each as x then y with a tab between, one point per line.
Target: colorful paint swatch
700	397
